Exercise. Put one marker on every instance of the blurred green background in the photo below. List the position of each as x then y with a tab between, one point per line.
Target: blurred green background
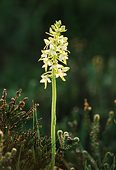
92	42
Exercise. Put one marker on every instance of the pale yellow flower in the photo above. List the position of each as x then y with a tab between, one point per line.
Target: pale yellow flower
55	51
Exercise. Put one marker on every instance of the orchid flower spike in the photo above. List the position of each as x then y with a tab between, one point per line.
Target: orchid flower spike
55	54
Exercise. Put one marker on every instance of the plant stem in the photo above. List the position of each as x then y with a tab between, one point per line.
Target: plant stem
53	121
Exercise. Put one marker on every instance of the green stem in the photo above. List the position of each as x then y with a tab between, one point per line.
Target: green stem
53	121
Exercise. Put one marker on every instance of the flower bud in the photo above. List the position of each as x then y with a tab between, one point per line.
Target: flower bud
96	117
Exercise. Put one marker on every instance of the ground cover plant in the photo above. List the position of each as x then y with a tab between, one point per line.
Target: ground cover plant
26	148
81	147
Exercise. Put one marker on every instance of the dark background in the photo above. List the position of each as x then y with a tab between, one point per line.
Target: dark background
92	42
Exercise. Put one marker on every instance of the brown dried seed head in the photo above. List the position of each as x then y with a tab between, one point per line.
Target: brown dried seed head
87	106
4	94
25	99
18	93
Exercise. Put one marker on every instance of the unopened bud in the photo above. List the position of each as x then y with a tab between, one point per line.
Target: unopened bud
111	113
76	139
96	117
13	151
59	133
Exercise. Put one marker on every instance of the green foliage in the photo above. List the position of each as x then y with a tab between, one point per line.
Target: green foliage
12	114
25	148
6	158
93	151
32	152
